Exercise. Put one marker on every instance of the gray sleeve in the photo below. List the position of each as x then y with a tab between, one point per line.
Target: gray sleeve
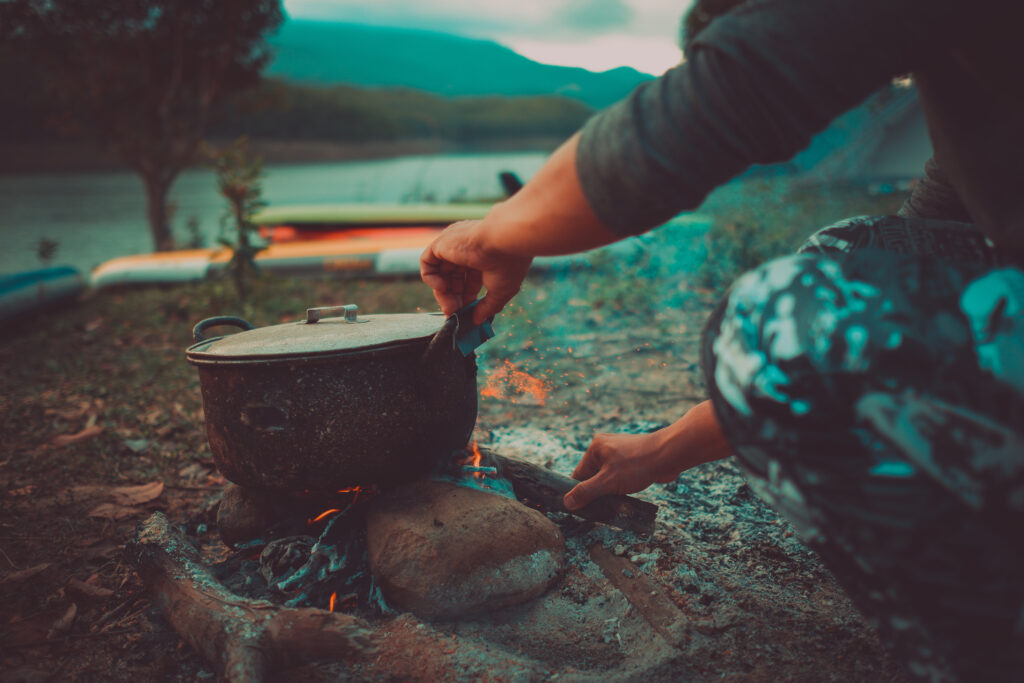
758	84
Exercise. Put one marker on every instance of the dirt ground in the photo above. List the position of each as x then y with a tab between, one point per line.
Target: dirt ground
102	424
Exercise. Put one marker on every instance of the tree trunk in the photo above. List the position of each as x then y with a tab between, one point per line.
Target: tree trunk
157	186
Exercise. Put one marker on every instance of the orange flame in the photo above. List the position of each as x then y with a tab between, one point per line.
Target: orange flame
474	460
352	489
323	514
509	384
334	600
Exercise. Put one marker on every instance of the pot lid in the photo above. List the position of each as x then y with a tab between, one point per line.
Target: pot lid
315	334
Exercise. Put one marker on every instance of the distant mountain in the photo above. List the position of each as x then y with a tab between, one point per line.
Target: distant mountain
316	52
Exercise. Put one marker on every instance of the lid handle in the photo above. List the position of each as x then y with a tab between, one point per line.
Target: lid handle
349	310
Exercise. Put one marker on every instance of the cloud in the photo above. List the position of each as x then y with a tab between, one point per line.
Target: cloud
577	30
592	16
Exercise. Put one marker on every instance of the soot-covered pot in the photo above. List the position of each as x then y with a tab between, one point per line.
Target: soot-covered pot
334	402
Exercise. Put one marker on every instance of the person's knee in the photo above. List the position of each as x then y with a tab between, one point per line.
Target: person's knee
785	330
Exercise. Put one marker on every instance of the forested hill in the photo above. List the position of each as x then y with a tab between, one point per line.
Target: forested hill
282	110
323	53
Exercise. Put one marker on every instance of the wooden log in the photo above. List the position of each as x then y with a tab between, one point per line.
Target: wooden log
538	486
657	608
242	638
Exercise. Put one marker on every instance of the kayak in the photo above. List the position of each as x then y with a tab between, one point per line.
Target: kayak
392	254
363	250
352	221
339	239
37	289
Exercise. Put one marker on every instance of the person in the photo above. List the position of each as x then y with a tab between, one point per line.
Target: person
871	386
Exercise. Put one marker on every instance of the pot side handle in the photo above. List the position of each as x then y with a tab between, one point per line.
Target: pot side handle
202	325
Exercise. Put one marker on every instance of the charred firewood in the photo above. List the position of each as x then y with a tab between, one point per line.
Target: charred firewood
242	638
537	486
659	610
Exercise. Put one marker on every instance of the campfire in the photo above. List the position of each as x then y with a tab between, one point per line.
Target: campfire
310	574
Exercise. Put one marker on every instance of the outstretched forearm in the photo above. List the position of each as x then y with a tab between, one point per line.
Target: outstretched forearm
627	463
549	216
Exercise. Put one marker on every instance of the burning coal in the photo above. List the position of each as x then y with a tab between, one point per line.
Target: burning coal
321	560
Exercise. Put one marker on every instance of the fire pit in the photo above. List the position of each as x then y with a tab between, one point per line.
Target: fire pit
447	548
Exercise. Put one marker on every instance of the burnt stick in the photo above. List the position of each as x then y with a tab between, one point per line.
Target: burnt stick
659	610
537	486
242	638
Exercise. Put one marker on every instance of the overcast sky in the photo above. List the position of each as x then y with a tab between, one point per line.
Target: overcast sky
595	34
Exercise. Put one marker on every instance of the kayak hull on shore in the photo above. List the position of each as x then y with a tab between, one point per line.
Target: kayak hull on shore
339	239
300	223
333	258
362	258
24	292
363	252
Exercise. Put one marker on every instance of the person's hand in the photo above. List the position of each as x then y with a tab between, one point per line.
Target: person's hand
627	463
618	464
459	263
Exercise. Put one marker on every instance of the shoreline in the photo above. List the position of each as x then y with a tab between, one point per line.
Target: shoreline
78	157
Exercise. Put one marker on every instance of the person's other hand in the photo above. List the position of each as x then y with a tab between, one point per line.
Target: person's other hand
627	463
618	464
459	263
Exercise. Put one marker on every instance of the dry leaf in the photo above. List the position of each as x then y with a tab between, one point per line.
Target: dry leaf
137	495
84	435
115	512
88	541
23	491
84	589
193	471
63	625
69	414
24	574
125	499
103	551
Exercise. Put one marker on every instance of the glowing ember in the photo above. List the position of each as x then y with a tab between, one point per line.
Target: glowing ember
354	490
334	600
509	384
322	515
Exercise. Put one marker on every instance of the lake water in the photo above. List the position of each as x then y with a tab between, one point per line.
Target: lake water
97	216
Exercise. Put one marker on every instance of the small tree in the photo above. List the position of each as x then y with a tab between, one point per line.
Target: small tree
239	175
143	76
46	249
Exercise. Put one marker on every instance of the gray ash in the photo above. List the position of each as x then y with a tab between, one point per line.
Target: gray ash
326	570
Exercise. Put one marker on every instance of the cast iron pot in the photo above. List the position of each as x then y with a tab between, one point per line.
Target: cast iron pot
326	404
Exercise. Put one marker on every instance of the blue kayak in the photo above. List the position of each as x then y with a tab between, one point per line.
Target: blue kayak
24	292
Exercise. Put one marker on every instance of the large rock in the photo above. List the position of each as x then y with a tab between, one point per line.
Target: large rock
443	551
244	515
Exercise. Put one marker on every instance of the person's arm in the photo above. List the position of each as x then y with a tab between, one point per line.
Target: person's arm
548	216
627	463
758	84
